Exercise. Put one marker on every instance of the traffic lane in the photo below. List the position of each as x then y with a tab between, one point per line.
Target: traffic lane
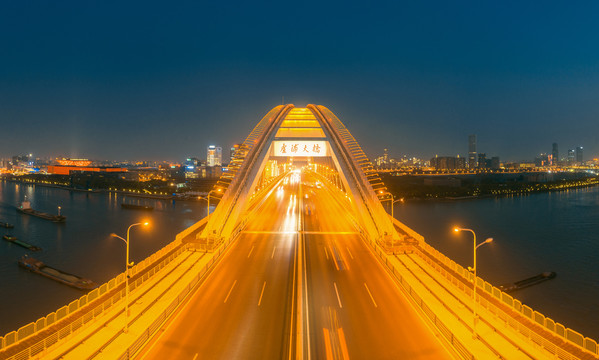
223	319
401	332
356	308
354	302
273	214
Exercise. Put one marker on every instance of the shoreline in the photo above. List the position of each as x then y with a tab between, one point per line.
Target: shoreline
103	191
486	196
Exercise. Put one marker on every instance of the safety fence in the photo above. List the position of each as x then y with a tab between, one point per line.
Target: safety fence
143	271
443	329
430	254
146	335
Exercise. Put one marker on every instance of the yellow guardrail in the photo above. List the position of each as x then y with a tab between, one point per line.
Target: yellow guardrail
148	267
555	328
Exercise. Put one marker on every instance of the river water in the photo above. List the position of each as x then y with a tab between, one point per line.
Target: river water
82	245
557	231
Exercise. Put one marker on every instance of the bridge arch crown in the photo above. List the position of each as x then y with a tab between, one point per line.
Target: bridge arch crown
289	134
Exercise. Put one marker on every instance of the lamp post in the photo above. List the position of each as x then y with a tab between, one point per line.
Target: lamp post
473	269
208	200
393	201
127	266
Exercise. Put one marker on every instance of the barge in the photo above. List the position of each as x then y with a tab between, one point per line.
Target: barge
25	208
15	240
534	280
6	225
39	267
137	207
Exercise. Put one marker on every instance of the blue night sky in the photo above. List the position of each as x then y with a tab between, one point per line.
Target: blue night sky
148	80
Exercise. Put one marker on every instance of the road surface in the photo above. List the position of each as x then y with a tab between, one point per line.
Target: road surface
248	307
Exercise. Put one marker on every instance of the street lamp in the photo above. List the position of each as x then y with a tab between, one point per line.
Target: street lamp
473	269
127	266
393	201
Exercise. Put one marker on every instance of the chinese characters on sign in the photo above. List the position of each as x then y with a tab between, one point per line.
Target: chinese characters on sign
300	148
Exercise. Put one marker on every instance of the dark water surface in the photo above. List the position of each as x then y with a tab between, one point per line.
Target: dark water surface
556	231
81	246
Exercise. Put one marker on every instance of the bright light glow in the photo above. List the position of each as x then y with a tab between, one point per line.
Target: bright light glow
146	223
456	229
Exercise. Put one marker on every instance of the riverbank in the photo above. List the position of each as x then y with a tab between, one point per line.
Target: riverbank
451	189
132	193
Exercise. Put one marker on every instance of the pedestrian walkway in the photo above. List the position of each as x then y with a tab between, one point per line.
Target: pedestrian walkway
105	338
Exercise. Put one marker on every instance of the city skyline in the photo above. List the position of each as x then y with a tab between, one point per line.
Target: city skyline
413	78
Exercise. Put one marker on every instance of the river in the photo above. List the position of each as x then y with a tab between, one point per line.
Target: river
555	231
82	245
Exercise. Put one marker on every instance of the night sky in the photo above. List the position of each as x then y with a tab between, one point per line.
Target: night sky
161	81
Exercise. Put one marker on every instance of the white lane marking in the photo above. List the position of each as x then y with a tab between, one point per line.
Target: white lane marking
369	293
234	282
352	257
273	252
252	249
261	293
195	356
326	252
338	298
334	259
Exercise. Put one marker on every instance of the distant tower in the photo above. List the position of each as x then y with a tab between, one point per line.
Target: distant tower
571	157
472	151
385	156
579	155
215	156
554	154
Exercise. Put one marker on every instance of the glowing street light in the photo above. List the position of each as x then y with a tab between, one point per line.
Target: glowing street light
127	266
473	269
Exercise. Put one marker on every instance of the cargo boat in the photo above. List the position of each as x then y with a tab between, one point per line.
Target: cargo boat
14	240
6	225
137	207
25	208
534	280
39	267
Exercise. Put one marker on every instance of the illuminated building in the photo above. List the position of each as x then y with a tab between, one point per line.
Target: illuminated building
571	156
215	156
448	162
472	151
554	155
67	169
579	159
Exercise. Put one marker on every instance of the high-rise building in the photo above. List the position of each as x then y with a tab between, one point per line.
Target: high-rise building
215	156
579	159
482	160
554	155
472	151
571	156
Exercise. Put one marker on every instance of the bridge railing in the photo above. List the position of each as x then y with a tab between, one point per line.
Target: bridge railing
145	268
513	304
443	329
146	335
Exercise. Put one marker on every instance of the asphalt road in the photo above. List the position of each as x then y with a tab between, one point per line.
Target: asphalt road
245	309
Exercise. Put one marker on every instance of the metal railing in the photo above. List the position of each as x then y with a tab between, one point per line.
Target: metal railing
145	269
130	352
428	253
443	329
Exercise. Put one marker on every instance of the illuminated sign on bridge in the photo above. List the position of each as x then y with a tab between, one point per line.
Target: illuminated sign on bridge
300	148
